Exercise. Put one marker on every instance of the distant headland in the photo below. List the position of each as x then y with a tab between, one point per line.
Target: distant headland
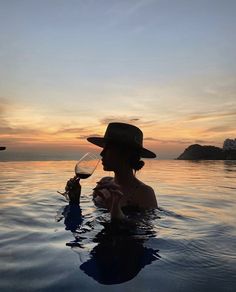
199	152
2	148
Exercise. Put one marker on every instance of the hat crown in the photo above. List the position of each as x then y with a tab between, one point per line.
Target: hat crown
124	133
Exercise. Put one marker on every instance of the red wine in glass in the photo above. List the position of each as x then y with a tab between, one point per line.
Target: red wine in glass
86	165
83	175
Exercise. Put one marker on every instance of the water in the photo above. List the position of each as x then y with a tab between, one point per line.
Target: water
188	245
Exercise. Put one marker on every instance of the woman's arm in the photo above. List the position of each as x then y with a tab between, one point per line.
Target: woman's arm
115	211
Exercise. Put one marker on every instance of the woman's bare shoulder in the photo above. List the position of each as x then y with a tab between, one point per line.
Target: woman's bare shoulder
105	179
146	196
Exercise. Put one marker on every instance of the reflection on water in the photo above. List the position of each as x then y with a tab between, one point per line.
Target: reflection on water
73	217
118	257
230	165
47	244
119	252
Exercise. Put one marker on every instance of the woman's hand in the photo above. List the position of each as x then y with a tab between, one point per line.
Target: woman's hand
102	193
73	190
111	194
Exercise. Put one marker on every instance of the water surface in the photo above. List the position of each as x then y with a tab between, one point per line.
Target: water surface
188	245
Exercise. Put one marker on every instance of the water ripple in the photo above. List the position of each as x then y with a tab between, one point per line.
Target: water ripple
187	245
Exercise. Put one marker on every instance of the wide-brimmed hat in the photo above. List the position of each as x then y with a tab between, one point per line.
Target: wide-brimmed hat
123	134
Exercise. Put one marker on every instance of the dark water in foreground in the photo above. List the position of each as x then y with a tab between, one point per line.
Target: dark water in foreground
188	245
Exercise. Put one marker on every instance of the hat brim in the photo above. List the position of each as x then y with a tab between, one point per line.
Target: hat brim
101	142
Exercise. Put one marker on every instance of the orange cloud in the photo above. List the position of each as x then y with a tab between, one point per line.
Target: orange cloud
212	115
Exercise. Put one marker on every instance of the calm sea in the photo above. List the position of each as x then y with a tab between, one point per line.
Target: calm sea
188	245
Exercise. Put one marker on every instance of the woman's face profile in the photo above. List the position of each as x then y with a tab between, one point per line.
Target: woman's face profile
111	158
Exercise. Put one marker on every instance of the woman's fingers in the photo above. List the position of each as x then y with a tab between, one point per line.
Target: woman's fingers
105	194
117	193
107	185
109	191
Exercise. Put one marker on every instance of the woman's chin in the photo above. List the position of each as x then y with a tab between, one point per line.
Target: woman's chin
106	168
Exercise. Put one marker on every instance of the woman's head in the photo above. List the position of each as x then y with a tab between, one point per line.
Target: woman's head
122	147
117	156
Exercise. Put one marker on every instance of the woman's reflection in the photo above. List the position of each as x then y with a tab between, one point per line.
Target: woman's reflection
118	256
120	253
72	217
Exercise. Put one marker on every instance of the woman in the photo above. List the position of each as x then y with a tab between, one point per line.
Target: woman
122	151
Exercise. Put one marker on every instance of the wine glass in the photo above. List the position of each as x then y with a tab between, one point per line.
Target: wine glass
85	167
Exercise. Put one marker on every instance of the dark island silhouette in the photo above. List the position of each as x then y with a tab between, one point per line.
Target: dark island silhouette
208	152
2	148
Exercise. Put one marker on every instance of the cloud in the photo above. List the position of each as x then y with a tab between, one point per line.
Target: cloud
150	139
22	125
82	137
6	130
71	130
163	141
7	127
212	115
168	141
17	127
2	109
221	129
135	120
4	104
124	119
204	142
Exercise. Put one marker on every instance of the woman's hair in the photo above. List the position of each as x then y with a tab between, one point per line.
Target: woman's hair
134	160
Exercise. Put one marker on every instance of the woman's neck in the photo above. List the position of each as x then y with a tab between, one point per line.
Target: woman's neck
124	177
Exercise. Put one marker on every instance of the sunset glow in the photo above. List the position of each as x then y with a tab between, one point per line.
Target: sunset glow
70	67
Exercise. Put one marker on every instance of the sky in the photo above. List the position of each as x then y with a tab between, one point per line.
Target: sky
69	67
